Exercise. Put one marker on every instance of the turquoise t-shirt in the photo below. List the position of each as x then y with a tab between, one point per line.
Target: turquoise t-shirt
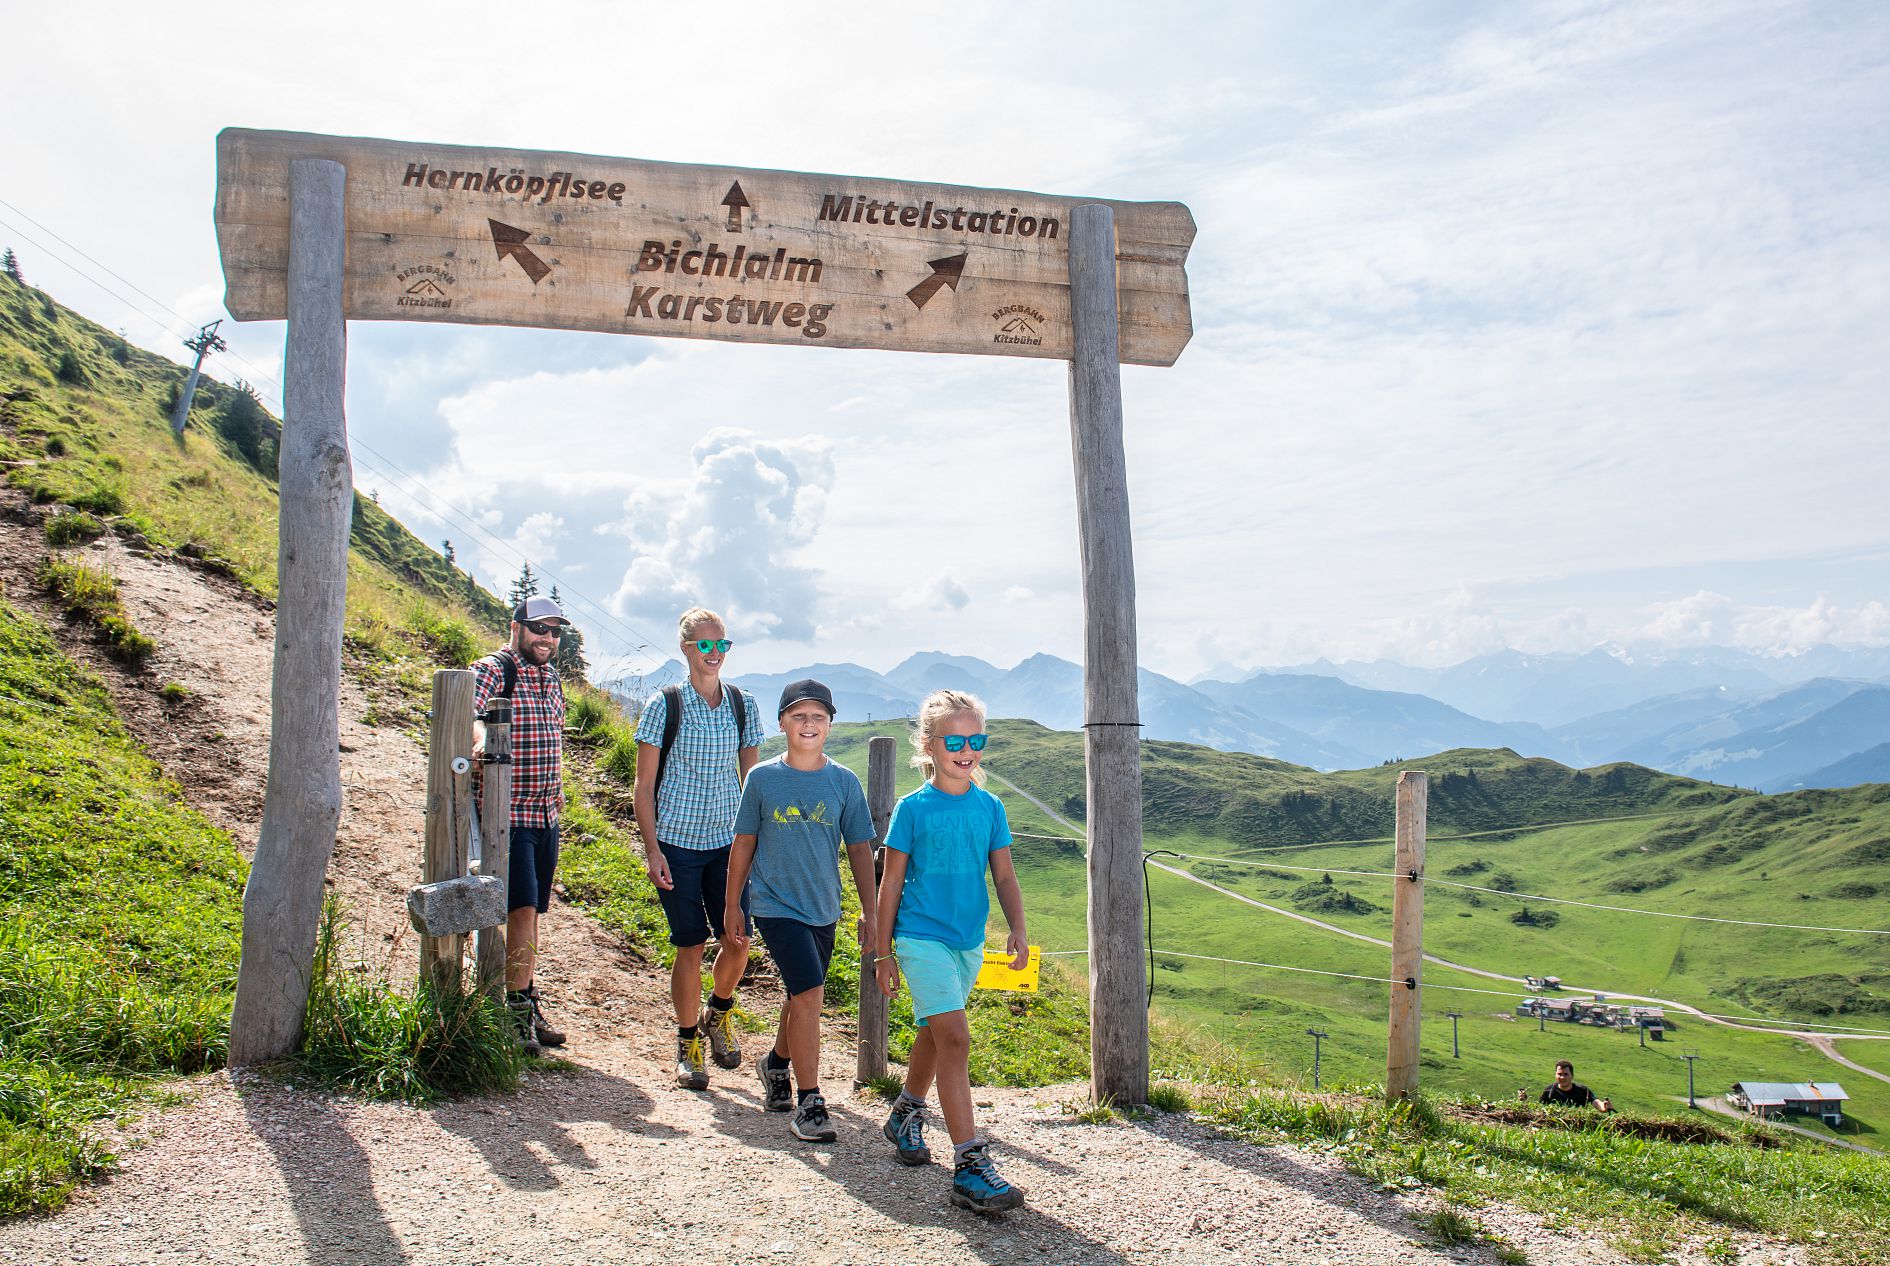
800	818
949	841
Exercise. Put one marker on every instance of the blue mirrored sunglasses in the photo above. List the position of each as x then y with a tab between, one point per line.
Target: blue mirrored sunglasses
707	644
959	742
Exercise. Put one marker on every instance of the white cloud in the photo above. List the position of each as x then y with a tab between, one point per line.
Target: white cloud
729	539
939	595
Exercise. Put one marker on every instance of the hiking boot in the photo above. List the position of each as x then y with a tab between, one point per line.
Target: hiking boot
719	1027
977	1186
811	1123
690	1074
903	1130
777	1095
518	1008
546	1035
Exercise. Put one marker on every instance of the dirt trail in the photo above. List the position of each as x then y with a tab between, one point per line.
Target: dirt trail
609	1161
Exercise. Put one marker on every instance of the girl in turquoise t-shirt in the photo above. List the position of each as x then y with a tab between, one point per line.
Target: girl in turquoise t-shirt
932	900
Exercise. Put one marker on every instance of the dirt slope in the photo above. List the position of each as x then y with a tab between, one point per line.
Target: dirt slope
608	1162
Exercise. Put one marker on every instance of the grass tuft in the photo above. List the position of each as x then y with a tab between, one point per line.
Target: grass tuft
90	595
364	1036
1170	1098
74	528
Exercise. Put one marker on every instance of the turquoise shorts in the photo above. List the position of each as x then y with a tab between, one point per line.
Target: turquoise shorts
938	976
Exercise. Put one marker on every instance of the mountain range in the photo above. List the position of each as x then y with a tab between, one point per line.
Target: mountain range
1769	722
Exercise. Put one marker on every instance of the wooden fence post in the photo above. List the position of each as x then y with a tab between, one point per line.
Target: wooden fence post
1407	936
1118	976
881	791
282	903
449	811
495	837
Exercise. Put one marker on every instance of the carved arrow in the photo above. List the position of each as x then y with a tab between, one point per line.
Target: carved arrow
945	272
736	201
510	241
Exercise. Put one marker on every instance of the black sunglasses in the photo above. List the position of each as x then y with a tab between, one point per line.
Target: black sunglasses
542	627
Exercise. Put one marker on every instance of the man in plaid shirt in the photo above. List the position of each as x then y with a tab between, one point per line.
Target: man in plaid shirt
688	827
537	794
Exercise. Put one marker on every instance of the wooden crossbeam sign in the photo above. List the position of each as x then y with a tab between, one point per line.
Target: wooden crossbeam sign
574	241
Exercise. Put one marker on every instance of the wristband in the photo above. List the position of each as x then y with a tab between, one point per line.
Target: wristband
880	958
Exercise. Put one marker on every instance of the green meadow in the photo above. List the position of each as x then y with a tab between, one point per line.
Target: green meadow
1630	838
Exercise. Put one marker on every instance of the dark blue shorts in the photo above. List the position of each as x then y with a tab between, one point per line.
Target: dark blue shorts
698	893
534	859
801	951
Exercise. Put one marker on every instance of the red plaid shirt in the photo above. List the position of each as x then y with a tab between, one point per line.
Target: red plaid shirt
537	734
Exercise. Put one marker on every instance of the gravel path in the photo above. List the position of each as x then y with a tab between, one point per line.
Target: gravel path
608	1161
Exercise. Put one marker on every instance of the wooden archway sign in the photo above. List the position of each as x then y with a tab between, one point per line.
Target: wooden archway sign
318	230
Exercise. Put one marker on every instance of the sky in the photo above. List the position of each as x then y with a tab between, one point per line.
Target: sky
1532	325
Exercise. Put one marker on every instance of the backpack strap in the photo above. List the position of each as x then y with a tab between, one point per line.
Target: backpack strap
672	723
740	705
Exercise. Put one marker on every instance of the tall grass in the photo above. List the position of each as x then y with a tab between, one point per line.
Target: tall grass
366	1036
90	595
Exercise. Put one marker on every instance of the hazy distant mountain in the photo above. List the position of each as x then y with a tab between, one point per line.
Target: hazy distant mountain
1379	724
1777	740
1870	765
1711	713
1597	739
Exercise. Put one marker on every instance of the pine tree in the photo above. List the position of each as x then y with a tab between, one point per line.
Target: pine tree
10	263
570	659
526	586
446	548
555	598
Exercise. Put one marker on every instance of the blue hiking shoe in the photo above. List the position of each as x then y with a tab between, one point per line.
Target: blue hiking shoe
904	1131
977	1186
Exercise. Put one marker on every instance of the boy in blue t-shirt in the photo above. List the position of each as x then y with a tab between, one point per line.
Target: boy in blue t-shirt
796	812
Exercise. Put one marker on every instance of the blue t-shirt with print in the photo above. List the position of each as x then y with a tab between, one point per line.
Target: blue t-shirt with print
800	819
948	841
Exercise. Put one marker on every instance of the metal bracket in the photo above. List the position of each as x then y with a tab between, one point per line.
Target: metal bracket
491	717
490	759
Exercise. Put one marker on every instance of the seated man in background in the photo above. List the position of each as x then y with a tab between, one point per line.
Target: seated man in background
1565	1091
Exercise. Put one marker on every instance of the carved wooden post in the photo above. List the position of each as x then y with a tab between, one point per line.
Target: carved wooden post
1407	936
449	811
882	789
495	836
302	803
1118	977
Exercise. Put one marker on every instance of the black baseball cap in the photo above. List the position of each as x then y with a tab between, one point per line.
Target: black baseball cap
804	689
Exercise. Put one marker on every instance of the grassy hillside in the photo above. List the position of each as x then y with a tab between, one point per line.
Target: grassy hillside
85	421
120	911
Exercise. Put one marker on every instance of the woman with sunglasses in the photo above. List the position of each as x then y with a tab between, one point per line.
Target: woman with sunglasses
932	911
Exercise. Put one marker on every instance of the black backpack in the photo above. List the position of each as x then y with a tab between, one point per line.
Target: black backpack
672	724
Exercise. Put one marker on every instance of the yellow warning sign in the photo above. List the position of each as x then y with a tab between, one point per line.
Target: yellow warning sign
997	972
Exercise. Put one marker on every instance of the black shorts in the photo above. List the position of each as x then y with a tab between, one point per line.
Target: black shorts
801	951
534	859
694	902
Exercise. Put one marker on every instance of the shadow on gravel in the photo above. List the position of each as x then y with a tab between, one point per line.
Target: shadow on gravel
542	1115
862	1164
329	1177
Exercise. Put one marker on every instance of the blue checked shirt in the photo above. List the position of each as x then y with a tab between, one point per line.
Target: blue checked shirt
702	784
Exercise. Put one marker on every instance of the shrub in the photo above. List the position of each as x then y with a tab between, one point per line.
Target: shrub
620	759
1526	917
247	426
70	369
175	692
71	529
453	642
589	715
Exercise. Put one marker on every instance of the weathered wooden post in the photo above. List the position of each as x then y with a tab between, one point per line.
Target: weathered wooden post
881	791
282	903
495	837
449	812
1118	979
1407	936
